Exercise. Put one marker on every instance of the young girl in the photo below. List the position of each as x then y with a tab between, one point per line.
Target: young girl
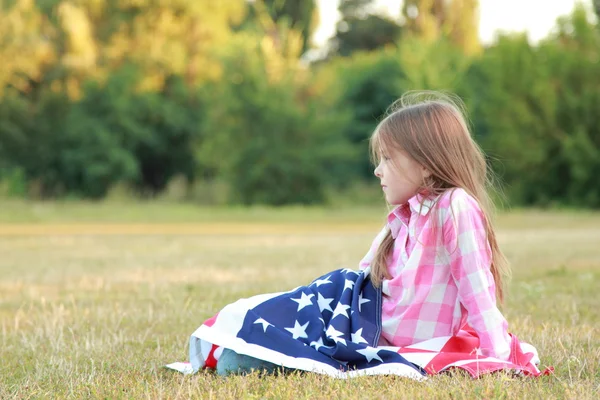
436	269
437	259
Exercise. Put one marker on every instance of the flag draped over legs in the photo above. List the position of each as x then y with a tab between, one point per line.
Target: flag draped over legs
332	326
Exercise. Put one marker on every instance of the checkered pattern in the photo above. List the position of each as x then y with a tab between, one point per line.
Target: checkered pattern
441	280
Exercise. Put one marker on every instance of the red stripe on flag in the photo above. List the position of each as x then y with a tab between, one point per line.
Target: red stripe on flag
443	360
461	344
211	321
211	361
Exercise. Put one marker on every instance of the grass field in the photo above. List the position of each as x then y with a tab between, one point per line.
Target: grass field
95	298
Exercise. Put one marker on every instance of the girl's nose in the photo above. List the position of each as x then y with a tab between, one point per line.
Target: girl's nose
377	171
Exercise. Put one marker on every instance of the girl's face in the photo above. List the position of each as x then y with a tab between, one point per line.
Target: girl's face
400	176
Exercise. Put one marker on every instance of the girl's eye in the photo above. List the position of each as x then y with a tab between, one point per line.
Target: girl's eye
386	158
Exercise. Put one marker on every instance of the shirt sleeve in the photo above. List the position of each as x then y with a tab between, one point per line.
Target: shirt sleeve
469	254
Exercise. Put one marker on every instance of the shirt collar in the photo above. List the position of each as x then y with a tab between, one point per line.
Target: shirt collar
401	215
421	204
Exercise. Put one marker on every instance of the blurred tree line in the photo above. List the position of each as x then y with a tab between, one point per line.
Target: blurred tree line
98	94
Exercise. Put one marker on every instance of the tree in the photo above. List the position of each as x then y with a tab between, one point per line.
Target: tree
369	83
359	29
431	65
271	142
355	8
115	134
535	113
82	40
24	51
32	138
177	37
112	134
512	108
273	16
577	83
457	20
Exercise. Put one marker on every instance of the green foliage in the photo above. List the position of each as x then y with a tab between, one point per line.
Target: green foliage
512	112
272	145
117	134
368	33
13	183
32	137
360	30
212	96
95	155
535	112
370	85
577	85
112	134
437	65
455	21
301	16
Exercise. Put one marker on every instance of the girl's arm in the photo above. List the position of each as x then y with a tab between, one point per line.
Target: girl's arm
470	260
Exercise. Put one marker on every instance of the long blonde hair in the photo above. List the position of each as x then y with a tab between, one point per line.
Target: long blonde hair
430	128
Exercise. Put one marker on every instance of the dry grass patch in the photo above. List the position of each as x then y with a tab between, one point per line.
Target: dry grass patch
97	315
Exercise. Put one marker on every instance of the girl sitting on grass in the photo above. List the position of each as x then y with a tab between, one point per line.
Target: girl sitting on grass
436	264
437	260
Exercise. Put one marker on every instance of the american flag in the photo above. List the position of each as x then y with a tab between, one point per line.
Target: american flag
332	326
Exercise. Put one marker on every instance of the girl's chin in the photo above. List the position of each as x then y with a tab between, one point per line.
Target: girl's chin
395	202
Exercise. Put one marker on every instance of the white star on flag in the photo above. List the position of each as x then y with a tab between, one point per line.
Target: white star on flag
357	337
361	300
263	322
370	353
339	340
340	309
324	304
332	332
304	300
320	282
334	335
318	344
348	284
298	331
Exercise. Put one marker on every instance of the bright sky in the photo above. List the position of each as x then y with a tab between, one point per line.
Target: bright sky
537	17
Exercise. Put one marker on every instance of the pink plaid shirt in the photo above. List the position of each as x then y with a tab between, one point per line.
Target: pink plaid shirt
441	279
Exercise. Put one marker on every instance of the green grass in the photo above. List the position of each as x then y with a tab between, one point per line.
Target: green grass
96	298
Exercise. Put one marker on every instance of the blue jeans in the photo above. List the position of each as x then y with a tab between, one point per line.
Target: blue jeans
231	362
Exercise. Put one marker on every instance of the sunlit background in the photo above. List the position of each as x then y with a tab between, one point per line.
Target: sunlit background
160	159
535	17
272	101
